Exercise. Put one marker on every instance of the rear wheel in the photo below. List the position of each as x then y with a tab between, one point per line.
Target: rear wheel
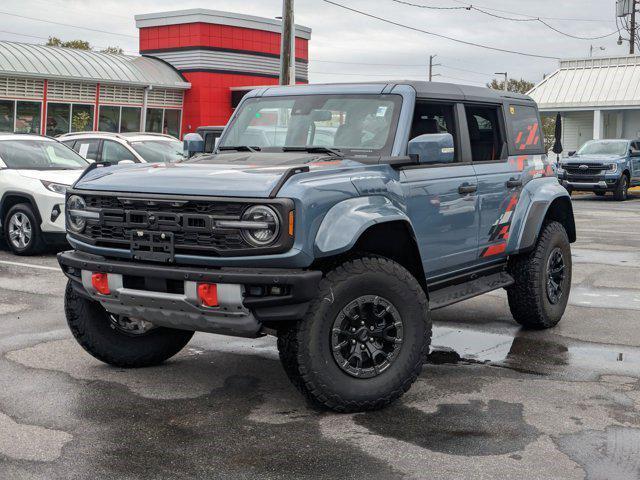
622	190
22	230
364	339
539	295
117	340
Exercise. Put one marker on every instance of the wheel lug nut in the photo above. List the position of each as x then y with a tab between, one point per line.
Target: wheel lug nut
363	346
353	341
353	330
362	322
371	328
371	339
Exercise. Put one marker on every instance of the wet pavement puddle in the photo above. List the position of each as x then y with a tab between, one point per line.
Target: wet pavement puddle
536	352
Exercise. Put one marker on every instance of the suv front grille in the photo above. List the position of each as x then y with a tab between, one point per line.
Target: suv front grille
591	170
122	217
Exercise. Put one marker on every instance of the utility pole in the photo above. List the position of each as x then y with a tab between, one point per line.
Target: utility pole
431	65
287	45
506	80
632	28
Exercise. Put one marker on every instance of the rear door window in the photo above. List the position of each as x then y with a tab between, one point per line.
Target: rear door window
524	129
485	132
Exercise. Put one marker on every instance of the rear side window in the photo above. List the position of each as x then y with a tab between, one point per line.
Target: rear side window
524	129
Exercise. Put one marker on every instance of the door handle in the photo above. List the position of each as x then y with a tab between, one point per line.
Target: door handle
513	183
467	188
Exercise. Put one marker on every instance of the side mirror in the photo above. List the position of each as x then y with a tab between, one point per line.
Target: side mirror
126	162
572	153
193	143
432	148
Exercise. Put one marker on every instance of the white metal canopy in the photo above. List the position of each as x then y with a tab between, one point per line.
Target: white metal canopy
592	83
40	61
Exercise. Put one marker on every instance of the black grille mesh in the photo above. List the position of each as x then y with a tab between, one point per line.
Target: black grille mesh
216	242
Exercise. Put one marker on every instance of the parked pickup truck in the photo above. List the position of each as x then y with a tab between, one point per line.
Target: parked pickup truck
603	166
427	194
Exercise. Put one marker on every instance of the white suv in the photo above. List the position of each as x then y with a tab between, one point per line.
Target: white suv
105	147
35	172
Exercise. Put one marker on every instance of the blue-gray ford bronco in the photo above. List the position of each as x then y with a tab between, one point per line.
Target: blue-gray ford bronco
603	166
333	216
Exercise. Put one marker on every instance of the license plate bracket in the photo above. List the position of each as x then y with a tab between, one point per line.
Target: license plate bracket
152	246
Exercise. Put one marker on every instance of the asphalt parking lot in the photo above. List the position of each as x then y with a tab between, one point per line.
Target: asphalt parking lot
494	402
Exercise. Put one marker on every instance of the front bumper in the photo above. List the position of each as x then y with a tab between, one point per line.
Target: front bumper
596	184
167	295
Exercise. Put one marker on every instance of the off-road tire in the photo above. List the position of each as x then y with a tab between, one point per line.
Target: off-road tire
528	299
90	325
36	243
622	189
305	348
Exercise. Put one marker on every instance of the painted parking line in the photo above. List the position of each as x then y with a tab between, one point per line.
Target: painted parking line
29	265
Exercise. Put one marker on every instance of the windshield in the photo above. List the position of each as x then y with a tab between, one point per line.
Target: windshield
157	151
358	125
614	147
40	155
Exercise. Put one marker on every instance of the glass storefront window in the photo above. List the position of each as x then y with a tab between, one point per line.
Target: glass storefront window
130	119
6	115
172	122
154	120
109	119
28	117
58	118
82	118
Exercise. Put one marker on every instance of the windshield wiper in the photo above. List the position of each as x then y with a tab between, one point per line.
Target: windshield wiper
315	149
240	148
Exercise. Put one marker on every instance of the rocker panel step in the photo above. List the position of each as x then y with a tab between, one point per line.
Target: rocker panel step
463	291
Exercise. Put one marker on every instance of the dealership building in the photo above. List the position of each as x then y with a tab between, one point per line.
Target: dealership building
194	67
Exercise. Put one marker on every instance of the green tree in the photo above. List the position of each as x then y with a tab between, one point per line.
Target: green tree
523	86
77	44
81	45
116	50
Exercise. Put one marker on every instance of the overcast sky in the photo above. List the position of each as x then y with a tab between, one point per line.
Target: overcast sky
343	42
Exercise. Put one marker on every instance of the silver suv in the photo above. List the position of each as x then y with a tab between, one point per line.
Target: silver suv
114	148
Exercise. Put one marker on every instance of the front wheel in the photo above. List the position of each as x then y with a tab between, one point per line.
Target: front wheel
539	295
22	231
622	190
364	339
117	340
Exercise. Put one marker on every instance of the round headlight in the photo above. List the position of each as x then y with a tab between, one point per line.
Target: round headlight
76	222
263	225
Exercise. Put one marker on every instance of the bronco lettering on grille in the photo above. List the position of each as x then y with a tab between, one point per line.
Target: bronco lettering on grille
188	222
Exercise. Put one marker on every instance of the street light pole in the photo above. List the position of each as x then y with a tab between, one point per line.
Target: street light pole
506	80
287	45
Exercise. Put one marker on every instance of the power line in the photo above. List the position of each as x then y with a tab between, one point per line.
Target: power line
67	25
563	19
369	64
47	38
457	40
486	12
